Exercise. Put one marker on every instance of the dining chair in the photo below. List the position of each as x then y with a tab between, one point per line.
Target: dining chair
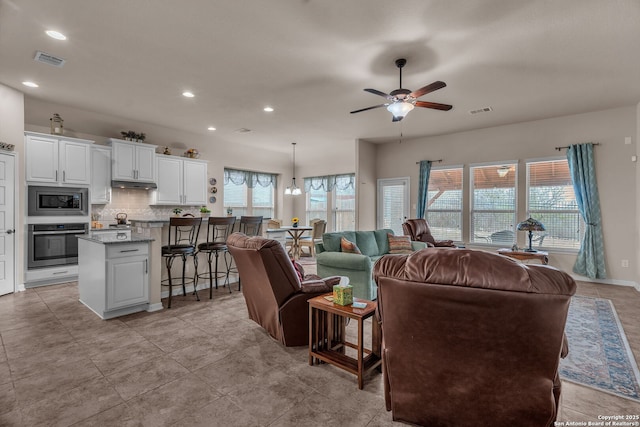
218	230
181	242
319	228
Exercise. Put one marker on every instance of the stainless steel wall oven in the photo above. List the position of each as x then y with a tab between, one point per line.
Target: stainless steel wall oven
54	244
57	201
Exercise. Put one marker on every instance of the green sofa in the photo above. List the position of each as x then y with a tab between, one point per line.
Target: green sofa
332	261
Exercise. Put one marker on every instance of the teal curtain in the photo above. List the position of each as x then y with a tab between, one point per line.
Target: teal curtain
425	170
590	260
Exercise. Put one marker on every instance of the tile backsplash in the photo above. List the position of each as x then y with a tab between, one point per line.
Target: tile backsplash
135	203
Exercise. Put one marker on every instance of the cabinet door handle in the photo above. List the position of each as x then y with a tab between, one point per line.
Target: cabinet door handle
64	176
56	175
146	269
129	250
61	272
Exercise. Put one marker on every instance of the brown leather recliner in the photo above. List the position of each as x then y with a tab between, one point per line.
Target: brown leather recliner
471	338
275	297
419	231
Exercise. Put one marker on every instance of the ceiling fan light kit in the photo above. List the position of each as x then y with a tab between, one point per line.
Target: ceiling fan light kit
401	101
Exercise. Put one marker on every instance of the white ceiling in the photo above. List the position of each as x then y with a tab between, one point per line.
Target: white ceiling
311	60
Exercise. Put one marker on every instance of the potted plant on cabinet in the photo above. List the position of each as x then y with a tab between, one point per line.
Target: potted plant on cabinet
205	211
177	211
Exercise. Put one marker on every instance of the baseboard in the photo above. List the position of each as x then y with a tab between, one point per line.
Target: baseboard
615	282
155	307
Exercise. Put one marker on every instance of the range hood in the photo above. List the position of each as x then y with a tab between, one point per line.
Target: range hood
135	185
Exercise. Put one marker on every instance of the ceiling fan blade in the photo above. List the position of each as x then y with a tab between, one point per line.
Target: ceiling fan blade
397	119
427	89
382	94
434	105
368	108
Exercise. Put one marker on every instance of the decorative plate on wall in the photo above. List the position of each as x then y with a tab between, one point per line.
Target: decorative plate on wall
214	190
212	199
213	181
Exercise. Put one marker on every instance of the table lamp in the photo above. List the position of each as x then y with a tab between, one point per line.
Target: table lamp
530	225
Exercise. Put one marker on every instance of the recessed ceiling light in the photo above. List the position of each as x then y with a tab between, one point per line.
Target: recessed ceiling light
56	35
268	109
211	128
30	84
188	94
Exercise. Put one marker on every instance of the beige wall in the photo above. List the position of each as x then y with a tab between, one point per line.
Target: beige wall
366	185
12	132
616	173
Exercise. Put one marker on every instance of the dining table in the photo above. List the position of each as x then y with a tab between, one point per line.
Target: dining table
296	233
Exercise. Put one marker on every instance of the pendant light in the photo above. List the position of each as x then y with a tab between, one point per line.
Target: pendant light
293	189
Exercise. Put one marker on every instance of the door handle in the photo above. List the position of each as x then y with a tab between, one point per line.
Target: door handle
56	175
64	176
10	231
146	269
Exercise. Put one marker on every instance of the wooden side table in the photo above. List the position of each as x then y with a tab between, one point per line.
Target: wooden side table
541	256
327	341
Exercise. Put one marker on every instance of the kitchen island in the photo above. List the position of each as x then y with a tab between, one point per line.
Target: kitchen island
113	274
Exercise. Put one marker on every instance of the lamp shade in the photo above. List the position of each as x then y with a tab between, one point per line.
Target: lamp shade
531	224
400	108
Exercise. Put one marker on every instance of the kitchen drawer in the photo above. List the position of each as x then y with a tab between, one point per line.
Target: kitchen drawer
119	250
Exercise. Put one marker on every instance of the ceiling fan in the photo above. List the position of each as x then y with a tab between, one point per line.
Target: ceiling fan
401	101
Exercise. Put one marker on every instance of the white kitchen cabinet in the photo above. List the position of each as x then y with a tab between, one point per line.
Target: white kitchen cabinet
100	175
181	181
57	160
113	277
133	161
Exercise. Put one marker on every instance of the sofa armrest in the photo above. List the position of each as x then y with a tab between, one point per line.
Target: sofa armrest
445	244
319	285
344	260
416	246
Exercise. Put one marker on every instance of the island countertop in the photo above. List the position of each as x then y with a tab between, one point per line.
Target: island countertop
110	240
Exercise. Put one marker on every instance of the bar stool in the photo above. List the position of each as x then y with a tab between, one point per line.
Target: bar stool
250	226
183	234
218	230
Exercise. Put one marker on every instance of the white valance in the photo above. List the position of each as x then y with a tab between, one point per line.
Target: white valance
329	182
251	179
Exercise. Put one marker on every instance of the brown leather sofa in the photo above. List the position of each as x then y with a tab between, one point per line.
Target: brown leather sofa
471	338
419	231
276	298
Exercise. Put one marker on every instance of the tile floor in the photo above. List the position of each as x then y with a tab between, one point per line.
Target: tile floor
200	363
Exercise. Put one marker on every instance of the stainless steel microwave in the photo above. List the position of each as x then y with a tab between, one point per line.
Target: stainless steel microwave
57	201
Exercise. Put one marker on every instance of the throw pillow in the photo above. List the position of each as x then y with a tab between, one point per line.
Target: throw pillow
399	244
349	247
299	270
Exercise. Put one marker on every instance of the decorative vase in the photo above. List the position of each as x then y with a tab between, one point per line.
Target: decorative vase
295	224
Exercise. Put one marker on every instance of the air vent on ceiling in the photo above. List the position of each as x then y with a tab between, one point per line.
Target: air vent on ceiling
243	130
49	59
481	110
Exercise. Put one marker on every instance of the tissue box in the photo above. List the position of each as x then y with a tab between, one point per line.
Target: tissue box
343	294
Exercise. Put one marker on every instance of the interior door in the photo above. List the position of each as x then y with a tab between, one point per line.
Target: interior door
393	203
7	224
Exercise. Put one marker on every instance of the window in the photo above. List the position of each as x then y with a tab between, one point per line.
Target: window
249	193
444	204
335	194
551	201
317	204
493	204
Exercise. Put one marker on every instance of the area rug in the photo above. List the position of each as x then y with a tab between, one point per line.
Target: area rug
599	354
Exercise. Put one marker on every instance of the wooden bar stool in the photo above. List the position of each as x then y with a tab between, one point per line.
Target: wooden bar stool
183	234
218	230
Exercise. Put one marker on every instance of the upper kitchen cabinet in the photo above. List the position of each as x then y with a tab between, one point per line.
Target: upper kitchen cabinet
100	175
57	160
182	181
133	161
